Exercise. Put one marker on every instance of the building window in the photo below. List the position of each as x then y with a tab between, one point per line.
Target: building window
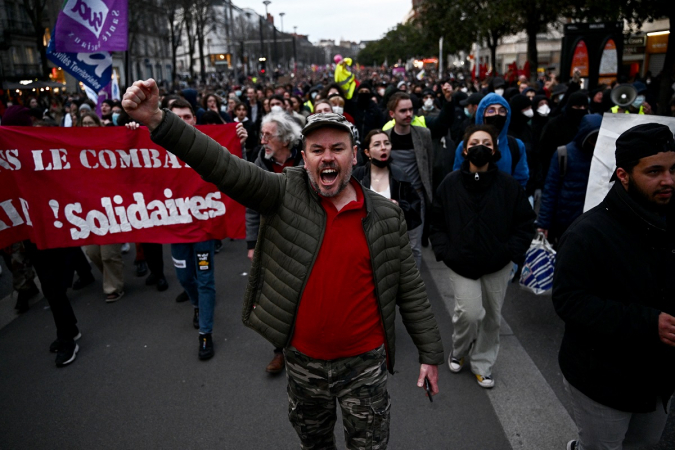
30	55
16	58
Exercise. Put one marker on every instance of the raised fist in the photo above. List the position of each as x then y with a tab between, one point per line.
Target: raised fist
141	102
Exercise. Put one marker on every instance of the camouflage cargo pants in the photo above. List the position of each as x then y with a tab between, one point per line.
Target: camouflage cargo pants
358	383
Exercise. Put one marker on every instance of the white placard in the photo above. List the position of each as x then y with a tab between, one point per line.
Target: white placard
603	162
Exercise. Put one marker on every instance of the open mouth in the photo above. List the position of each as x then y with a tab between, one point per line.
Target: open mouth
328	176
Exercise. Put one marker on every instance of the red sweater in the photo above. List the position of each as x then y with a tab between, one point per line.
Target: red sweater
338	313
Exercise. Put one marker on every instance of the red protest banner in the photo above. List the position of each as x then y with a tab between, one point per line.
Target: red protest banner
64	187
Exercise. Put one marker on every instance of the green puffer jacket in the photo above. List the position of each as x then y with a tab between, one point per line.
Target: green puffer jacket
291	232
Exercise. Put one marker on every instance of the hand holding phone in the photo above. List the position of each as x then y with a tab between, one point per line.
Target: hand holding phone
427	387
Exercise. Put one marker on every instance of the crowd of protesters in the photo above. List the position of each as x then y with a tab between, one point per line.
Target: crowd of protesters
476	166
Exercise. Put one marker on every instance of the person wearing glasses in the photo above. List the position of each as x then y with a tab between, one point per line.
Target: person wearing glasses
280	147
494	110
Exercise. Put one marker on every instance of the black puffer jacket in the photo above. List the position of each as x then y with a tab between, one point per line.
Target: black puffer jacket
613	277
401	190
480	221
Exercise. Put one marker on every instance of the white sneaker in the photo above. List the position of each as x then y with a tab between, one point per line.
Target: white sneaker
455	364
572	445
125	248
485	381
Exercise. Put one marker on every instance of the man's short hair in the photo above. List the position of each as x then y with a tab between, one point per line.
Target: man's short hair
181	103
288	130
395	99
278	97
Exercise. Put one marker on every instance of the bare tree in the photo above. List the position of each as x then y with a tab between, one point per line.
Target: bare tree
173	16
204	20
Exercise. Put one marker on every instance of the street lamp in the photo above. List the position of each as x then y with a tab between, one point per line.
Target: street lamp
283	41
266	3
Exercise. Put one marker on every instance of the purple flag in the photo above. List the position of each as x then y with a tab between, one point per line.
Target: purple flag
92	26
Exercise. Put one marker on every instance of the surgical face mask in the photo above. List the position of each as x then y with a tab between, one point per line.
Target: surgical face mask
277	109
464	89
380	92
639	100
499	91
560	97
313	95
528	113
428	104
237	93
338	109
543	110
467	113
115	116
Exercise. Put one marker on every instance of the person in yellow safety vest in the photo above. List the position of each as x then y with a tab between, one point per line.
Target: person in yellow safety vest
439	124
639	105
344	77
618	109
418	121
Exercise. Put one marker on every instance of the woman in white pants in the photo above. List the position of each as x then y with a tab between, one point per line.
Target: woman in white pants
481	221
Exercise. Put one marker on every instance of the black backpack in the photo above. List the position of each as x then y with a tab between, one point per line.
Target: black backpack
514	149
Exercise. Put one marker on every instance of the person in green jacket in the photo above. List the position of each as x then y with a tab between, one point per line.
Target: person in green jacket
331	265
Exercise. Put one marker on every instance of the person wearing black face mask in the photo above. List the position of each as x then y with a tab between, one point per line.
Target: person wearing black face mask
387	180
367	115
495	110
564	192
560	130
481	222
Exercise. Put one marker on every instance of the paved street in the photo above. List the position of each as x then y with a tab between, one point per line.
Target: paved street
137	382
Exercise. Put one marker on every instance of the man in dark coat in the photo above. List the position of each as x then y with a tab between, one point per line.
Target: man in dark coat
565	189
560	130
613	287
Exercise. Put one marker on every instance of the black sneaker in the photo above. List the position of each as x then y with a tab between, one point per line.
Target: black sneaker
67	353
195	319
182	297
56	345
152	279
217	246
205	346
141	268
162	284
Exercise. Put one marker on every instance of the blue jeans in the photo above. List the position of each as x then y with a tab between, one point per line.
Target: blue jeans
194	268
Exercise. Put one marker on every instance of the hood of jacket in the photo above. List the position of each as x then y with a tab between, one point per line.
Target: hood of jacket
492	99
589	124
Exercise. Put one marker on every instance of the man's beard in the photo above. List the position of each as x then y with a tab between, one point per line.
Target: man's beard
340	188
643	198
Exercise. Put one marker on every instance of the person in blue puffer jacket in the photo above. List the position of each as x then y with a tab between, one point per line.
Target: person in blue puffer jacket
495	110
565	187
